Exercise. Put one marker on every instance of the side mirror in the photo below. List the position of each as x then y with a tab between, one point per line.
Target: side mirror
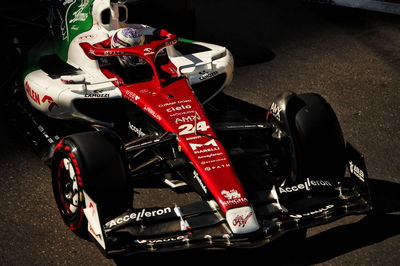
75	79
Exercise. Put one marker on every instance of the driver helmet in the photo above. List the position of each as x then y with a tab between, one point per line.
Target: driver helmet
127	37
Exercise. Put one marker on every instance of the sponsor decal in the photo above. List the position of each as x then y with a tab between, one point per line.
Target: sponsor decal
162	240
189	112
198	179
174	103
317	211
194	137
232	197
79	15
97	94
148	51
356	171
231	194
210	155
50	101
91	51
63	28
276	111
92	217
45	135
36	97
205	75
132	96
137	130
181	107
172	42
152	113
137	216
307	185
189	118
85	37
241	221
210	168
111	53
32	94
97	236
213	161
199	148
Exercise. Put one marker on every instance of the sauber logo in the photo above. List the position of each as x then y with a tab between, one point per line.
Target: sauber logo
231	194
240	220
232	197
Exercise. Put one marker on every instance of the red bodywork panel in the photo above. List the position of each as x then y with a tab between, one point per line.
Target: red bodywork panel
176	108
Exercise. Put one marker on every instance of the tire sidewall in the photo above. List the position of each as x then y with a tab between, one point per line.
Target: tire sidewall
67	150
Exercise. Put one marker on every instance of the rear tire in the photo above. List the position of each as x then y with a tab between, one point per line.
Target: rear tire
92	163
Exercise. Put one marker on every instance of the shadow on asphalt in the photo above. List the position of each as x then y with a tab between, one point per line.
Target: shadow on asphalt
375	227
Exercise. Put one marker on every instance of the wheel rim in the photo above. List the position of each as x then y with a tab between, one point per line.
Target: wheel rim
68	186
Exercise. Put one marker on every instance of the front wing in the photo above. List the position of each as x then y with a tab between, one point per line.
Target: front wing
283	209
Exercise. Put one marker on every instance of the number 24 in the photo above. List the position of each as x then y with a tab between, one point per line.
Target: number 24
189	128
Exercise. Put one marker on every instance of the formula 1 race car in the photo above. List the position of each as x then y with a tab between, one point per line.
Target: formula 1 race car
258	174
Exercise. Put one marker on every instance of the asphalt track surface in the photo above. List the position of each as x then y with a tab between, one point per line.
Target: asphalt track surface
350	57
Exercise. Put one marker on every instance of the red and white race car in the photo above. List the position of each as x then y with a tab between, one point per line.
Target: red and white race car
258	174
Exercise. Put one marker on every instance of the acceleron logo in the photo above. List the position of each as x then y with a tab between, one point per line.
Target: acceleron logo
306	186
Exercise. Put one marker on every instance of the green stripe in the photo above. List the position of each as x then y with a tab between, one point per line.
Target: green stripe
186	40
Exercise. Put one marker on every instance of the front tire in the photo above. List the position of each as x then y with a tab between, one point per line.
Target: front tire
310	131
92	163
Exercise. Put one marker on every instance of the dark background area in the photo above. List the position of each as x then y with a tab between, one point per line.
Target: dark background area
351	57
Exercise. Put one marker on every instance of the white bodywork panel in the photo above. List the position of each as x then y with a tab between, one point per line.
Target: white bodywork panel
92	216
55	98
